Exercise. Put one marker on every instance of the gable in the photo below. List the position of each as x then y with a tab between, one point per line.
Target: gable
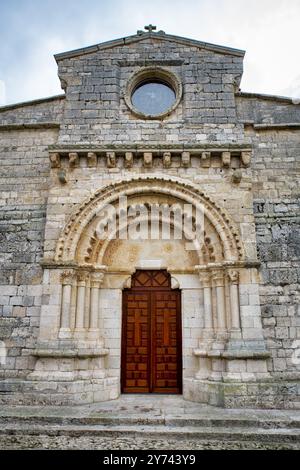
143	36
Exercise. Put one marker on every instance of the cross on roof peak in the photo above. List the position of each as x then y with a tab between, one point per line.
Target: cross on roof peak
150	28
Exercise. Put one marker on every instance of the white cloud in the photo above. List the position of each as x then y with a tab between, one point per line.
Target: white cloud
267	29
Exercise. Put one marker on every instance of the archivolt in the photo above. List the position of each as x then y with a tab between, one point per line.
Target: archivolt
180	189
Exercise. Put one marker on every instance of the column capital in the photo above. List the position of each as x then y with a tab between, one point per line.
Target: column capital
97	279
233	276
82	278
67	277
218	278
205	278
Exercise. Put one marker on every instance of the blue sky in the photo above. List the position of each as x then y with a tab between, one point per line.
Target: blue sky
31	31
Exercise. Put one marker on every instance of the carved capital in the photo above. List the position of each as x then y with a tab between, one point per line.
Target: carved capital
91	159
73	159
246	158
97	279
128	162
148	160
67	278
111	159
82	278
218	278
233	276
167	159
54	160
185	159
205	279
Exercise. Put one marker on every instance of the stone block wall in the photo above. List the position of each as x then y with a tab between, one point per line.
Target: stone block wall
24	183
275	170
95	110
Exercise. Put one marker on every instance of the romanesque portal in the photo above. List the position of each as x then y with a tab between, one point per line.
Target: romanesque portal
88	313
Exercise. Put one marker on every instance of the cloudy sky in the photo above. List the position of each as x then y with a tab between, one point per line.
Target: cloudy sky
31	31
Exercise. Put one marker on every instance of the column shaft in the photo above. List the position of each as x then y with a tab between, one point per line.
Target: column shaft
66	306
80	306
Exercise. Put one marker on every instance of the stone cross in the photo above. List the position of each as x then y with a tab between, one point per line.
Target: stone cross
150	28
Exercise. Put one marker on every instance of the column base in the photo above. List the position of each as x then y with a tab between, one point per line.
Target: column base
53	392
259	395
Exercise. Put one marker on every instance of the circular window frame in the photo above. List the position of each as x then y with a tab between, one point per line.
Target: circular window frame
146	75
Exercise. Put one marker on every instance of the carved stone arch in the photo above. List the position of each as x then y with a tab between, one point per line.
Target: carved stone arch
144	185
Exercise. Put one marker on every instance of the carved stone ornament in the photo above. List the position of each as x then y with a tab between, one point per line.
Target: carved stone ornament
233	276
91	159
226	157
167	159
148	160
111	160
54	160
67	277
185	159
205	159
128	162
246	158
73	159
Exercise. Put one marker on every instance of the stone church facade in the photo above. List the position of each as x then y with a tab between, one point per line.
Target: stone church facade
85	317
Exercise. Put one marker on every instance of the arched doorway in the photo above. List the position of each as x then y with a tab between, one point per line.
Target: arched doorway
151	335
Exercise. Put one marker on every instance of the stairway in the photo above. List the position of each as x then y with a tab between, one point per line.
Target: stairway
140	422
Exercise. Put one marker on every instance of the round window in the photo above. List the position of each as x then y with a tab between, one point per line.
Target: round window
153	97
153	93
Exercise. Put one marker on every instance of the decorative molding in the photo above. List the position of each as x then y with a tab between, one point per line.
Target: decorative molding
71	353
166	153
33	125
232	355
145	184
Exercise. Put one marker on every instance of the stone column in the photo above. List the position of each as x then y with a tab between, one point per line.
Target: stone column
80	304
233	277
207	335
65	319
218	281
96	281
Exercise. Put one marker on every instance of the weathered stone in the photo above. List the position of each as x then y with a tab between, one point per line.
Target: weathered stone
55	329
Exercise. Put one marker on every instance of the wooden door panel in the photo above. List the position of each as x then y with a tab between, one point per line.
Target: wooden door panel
136	342
166	342
151	335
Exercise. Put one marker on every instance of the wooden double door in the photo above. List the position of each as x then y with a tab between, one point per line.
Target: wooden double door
151	335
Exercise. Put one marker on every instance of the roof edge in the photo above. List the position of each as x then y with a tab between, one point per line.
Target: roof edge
31	102
278	98
139	37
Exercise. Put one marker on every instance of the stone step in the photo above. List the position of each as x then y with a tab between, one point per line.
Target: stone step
190	421
239	434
